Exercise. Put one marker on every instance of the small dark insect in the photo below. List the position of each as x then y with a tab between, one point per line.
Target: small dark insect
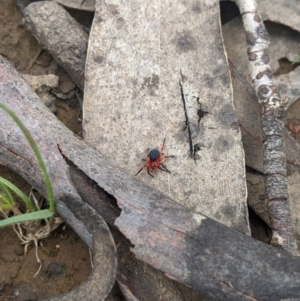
154	160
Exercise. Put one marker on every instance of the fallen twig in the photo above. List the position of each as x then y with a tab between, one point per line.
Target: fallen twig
69	43
272	117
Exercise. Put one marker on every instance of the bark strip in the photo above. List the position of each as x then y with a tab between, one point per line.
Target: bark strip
272	117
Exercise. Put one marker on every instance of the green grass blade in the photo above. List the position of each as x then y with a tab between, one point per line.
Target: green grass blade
19	193
296	60
6	195
32	216
4	200
6	206
36	152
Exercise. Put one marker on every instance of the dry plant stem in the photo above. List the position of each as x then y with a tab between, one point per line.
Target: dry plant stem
272	117
27	236
29	232
35	235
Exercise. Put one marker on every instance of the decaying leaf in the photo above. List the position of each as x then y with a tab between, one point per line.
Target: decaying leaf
153	72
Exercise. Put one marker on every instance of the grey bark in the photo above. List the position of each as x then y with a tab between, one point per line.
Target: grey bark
248	114
272	120
60	34
256	199
103	250
88	5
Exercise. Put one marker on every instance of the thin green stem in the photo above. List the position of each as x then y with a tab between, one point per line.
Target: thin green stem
26	217
5	194
5	185
37	154
6	206
296	60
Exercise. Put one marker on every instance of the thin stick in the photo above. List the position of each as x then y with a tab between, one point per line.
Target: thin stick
272	117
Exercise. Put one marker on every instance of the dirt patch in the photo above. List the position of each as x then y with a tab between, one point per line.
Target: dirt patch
65	259
16	43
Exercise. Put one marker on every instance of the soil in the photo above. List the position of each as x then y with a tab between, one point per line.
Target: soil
60	271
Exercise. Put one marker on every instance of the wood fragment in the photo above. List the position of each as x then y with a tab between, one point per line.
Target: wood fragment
248	114
256	199
283	12
60	34
272	119
284	43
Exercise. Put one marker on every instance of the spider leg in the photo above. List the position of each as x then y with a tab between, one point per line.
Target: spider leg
148	170
164	168
139	171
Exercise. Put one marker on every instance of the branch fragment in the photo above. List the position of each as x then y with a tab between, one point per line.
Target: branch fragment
272	116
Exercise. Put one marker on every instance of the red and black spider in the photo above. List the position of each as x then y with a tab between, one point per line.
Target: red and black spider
154	160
